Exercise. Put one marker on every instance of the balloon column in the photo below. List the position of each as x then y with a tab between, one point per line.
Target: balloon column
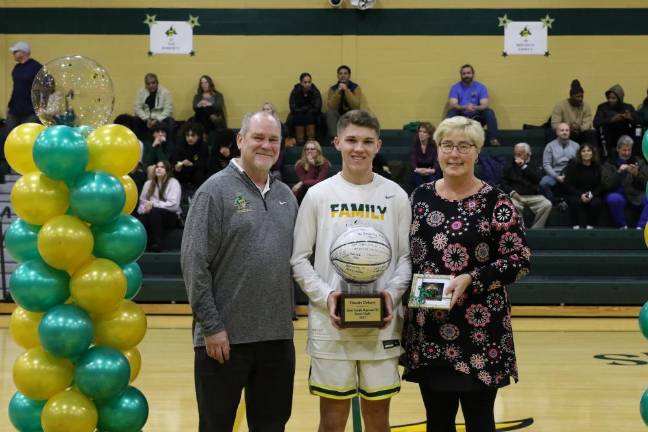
76	245
643	314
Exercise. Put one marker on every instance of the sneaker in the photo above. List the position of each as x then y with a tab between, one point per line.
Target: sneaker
494	142
623	227
639	228
589	227
576	227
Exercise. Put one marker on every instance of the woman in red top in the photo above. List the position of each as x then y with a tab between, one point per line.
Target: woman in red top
311	169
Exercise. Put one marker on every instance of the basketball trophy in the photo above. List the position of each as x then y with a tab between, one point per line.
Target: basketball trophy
360	255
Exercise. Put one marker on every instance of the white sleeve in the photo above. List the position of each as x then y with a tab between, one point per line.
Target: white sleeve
402	275
140	207
305	235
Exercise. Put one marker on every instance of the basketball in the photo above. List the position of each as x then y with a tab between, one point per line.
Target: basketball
361	254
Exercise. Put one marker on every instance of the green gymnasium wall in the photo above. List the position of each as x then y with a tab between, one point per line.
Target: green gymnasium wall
405	53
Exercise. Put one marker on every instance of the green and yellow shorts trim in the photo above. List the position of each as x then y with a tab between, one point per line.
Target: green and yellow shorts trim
345	379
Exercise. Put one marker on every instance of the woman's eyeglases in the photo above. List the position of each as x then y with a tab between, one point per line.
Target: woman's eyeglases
463	148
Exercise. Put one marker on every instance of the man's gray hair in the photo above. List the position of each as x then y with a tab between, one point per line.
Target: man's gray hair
245	123
625	140
525	146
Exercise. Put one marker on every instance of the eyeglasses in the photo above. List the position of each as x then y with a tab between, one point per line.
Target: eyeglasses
462	148
310	148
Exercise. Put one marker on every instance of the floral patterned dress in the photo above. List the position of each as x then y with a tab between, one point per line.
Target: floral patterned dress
482	235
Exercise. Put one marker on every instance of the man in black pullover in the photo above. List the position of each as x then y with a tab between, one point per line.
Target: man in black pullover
520	179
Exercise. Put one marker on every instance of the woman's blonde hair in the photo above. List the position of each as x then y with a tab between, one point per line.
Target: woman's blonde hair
319	158
471	128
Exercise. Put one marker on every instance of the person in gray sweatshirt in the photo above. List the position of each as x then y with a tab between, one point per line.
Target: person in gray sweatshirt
236	266
555	158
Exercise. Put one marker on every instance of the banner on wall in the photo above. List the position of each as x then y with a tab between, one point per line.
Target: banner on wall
171	37
526	38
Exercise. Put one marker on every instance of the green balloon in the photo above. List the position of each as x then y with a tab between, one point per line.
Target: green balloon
21	241
61	152
643	320
66	331
25	413
643	407
97	197
644	145
122	241
35	286
127	412
102	373
134	276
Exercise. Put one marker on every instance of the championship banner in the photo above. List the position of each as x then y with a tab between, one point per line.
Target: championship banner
526	38
171	37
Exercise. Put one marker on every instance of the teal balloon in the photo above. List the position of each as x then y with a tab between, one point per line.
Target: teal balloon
25	413
61	152
21	239
122	241
84	130
66	331
102	373
643	407
127	412
97	197
644	145
643	320
35	286
134	276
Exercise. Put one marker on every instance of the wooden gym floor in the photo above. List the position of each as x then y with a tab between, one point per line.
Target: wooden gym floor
577	374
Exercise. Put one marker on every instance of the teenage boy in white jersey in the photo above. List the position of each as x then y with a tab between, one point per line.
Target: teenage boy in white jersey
351	361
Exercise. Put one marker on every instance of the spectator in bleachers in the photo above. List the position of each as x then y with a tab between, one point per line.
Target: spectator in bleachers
555	158
305	108
277	168
342	97
642	111
380	166
153	105
423	157
222	149
159	205
521	179
583	187
311	168
576	113
615	118
209	105
190	158
469	98
625	177
157	149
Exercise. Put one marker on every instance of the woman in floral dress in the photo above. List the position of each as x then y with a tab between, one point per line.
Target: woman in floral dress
463	227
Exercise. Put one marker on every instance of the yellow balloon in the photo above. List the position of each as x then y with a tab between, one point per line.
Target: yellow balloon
114	149
123	329
69	411
646	235
131	194
135	361
19	145
98	286
23	327
39	375
65	242
37	198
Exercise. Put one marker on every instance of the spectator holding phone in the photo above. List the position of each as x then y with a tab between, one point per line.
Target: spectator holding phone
583	187
624	178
